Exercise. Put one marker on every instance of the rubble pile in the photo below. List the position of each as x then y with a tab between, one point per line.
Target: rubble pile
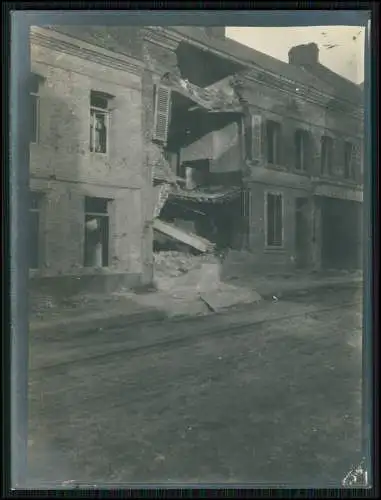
41	303
173	263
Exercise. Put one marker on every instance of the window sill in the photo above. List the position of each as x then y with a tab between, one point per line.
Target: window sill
337	179
303	173
276	167
99	155
95	269
274	249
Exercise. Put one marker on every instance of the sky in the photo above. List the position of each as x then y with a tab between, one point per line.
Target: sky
341	47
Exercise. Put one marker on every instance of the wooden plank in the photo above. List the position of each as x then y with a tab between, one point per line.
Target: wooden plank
201	244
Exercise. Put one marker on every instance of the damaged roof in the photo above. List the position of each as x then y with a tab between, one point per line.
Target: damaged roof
247	54
128	41
322	79
218	97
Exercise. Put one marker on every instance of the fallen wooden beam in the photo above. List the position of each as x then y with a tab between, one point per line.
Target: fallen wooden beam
210	307
201	244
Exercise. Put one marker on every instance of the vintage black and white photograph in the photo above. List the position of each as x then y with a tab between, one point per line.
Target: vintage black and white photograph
196	252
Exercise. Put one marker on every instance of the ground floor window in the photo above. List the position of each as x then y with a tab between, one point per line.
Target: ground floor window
96	252
34	250
274	219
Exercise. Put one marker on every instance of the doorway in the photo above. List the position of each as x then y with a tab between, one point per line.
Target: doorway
341	234
301	233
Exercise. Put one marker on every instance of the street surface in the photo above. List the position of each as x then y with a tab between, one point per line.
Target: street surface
276	403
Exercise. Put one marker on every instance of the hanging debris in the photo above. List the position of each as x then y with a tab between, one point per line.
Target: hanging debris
201	244
162	192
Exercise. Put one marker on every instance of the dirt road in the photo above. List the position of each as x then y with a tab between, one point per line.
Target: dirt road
275	403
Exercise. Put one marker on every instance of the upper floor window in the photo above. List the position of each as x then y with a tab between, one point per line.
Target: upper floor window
34	93
348	160
273	141
302	147
326	154
99	122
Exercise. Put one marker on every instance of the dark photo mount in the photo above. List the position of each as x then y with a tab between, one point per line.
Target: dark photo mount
190	265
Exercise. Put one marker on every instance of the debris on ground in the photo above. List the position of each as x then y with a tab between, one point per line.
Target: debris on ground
40	303
174	263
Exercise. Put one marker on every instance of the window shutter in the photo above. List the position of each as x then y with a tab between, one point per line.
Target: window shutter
242	134
286	138
310	153
278	221
357	162
338	157
161	113
256	137
246	203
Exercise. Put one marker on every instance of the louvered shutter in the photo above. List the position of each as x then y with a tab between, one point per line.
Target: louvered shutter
161	113
314	166
338	156
310	153
286	140
357	162
256	138
242	135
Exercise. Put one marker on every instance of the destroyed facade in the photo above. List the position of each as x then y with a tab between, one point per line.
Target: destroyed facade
178	138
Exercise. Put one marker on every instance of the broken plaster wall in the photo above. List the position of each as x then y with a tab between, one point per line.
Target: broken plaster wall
158	60
65	171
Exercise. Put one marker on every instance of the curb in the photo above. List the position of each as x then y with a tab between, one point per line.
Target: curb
314	287
151	316
110	322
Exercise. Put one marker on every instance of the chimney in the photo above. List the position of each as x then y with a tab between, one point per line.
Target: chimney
304	55
215	31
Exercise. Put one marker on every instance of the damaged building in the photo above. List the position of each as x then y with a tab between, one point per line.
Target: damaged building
256	154
179	138
88	187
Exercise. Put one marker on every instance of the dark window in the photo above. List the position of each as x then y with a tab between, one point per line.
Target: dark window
348	160
35	82
326	154
248	139
96	232
34	230
181	170
274	221
99	122
273	131
301	139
